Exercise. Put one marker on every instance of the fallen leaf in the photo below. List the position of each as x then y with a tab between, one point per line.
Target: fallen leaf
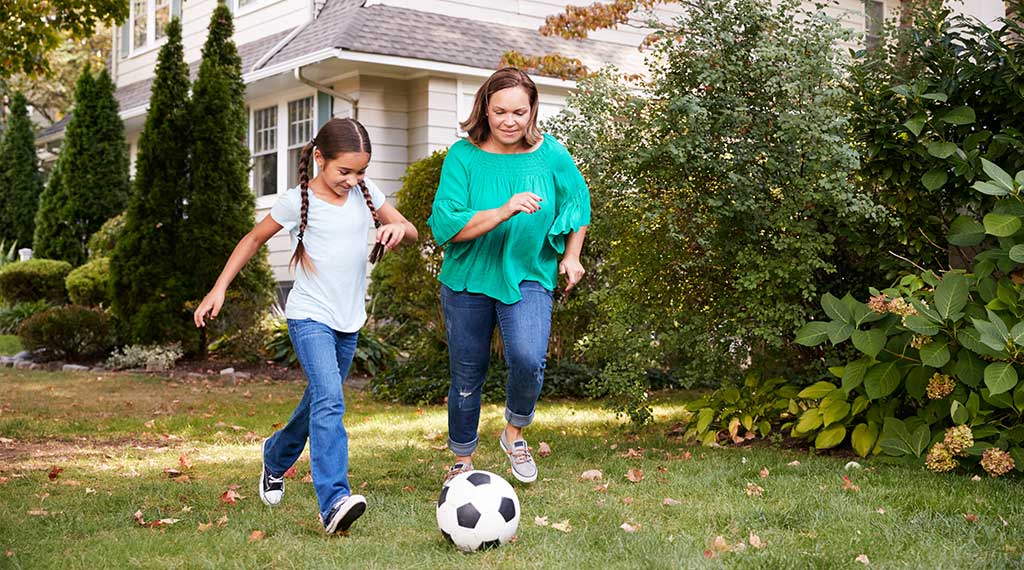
544	450
138	517
976	478
291	472
186	509
308	478
203	527
38	512
687	455
634	453
764	473
89	491
863	559
150	424
9	553
70	483
54	473
635	475
563	526
222	520
627	501
230	497
409	488
971	517
601	488
849	486
364	484
662	469
1003	520
256	535
753	490
433	436
540	521
719	544
629	528
182	479
3	480
880	511
756	541
671	502
172	473
591	475
185	462
793	464
162	522
709	554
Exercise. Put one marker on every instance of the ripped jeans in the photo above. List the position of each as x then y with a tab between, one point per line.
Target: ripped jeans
524	326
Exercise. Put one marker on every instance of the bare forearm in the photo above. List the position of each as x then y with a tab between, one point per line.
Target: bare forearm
246	248
574	243
481	223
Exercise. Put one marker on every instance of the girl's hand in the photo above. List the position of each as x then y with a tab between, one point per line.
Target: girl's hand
573	270
522	202
391	234
211	304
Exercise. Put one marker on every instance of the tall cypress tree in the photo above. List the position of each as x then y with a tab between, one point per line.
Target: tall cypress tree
19	172
221	207
147	275
94	162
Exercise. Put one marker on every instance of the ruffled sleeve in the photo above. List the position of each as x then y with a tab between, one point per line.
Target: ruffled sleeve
572	198
450	213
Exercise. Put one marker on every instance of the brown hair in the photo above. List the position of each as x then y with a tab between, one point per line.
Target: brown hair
337	136
476	125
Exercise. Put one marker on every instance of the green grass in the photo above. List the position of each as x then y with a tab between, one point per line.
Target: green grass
113	436
9	345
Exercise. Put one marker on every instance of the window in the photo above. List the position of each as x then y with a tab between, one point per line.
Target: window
264	150
148	20
874	18
300	131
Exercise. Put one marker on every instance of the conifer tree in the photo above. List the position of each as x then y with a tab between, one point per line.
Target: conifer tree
20	183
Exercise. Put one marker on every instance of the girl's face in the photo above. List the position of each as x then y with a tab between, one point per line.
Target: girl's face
508	114
344	171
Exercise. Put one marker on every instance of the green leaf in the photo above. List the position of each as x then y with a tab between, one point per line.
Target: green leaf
935	353
882	379
990	189
839	331
921	325
988	335
951	295
959	413
860	403
864	437
916	123
897	439
830	437
998	175
817	391
833	411
935	96
813	333
940	149
969	369
935	178
870	342
1000	377
1001	225
853	373
704	419
836	309
959	116
1017	334
809	421
965	231
917	381
1017	253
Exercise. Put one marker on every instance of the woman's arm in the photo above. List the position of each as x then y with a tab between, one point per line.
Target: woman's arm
246	248
394	229
486	220
570	265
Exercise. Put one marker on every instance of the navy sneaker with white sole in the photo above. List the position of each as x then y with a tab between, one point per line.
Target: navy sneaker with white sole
344	513
271	487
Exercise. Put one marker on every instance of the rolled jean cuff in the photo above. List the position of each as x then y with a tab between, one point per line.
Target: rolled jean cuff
463	448
518	420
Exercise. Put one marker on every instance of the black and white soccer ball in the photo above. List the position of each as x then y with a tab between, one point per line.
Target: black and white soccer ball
477	510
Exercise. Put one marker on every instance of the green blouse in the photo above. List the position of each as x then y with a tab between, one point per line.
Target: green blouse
524	248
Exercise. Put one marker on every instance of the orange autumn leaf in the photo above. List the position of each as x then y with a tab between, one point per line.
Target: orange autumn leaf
230	497
54	473
256	535
185	462
635	475
544	450
203	527
291	472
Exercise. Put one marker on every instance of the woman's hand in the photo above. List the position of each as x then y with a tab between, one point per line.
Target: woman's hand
391	234
573	270
522	202
211	305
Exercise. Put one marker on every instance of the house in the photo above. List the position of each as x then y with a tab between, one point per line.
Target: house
407	69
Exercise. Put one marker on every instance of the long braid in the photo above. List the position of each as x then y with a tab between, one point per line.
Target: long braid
364	145
300	257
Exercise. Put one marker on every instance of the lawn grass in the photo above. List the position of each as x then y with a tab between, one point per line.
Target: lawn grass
114	434
9	345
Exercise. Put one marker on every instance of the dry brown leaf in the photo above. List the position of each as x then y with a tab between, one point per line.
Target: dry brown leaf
629	527
849	486
203	527
182	479
627	501
563	526
38	512
591	475
709	554
162	522
719	544
54	473
230	497
89	491
863	559
662	469
1001	519
308	478
793	464
753	490
4	480
634	453
668	502
635	475
540	521
971	517
291	472
880	511
256	535
222	520
603	488
756	541
138	517
409	489
172	473
764	473
544	450
150	424
185	462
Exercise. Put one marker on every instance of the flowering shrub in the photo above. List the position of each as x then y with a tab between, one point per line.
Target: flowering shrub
152	357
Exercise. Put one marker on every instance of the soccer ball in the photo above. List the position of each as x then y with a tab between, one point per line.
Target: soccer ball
477	510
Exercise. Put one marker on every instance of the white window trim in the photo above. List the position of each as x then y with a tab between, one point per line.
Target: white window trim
152	43
281	101
254	6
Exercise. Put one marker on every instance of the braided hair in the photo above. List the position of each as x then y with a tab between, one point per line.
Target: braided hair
335	137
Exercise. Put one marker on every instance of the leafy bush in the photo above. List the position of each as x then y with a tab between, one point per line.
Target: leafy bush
89	284
11	317
70	331
374	355
34	280
152	357
8	254
103	242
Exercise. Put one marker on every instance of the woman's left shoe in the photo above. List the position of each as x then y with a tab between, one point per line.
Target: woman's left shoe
523	466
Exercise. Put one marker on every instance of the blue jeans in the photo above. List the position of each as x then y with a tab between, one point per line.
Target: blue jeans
325	355
470	319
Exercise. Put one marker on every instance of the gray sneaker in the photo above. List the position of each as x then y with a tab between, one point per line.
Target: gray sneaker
523	466
457	469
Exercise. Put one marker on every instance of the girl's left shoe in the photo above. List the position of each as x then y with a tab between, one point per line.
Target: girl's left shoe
344	513
271	487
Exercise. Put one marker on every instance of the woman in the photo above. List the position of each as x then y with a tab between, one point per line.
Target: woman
509	202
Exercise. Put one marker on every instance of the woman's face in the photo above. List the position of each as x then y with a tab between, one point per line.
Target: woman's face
508	114
344	171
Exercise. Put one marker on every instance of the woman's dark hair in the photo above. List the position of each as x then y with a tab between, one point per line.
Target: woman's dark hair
477	127
337	136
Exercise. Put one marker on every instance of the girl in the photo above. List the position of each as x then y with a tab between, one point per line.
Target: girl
509	202
328	218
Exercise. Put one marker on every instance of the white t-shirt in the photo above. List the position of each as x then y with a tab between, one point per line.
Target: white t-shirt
336	242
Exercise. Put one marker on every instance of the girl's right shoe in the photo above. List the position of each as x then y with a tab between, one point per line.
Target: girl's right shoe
271	487
344	513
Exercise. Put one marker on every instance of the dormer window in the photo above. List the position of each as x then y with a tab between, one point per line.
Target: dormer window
146	25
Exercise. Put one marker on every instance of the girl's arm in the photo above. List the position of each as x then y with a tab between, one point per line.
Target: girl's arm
246	248
570	265
394	229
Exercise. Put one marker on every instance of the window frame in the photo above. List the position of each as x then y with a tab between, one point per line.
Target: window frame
271	112
152	41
